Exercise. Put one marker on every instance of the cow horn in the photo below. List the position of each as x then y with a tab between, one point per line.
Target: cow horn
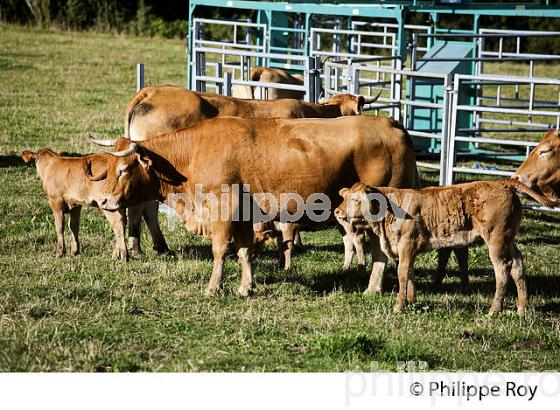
371	100
103	143
132	148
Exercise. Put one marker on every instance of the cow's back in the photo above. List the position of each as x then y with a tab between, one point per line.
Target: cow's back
157	110
309	155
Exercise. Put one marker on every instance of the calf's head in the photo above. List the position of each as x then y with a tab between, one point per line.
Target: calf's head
360	204
541	169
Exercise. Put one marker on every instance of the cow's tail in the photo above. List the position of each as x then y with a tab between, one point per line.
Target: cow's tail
519	186
130	110
28	156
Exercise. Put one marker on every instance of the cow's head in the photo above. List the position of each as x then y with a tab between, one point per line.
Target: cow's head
541	169
126	175
349	104
354	204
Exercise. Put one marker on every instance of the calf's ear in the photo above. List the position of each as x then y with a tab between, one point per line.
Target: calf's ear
28	156
343	191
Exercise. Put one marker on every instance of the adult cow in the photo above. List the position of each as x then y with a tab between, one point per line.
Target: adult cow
274	156
269	75
541	170
160	109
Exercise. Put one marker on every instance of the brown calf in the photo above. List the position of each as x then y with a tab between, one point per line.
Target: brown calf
68	189
409	222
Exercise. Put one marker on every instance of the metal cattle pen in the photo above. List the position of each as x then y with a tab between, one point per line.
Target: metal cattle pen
441	83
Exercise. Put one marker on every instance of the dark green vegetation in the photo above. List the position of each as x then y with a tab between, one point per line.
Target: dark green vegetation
92	314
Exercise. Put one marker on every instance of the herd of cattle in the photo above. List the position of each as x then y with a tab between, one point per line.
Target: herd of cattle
176	140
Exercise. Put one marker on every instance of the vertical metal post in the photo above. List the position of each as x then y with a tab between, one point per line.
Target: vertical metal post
446	111
219	74
328	80
451	155
412	92
531	89
317	77
139	76
227	84
354	80
308	81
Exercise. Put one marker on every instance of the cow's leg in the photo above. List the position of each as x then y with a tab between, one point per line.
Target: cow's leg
117	220
150	213
57	208
134	223
358	241
221	234
243	238
519	279
443	259
298	242
462	255
379	262
406	277
502	261
74	225
348	245
288	234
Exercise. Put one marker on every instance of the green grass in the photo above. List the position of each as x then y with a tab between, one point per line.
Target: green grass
89	313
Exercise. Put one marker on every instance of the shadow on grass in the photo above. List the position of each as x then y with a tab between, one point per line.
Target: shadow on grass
16	160
7	161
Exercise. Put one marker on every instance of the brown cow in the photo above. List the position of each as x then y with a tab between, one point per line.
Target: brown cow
160	109
541	169
269	75
409	222
68	188
157	110
275	156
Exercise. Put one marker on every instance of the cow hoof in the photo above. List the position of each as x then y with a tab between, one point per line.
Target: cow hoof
345	268
398	308
75	252
59	253
494	311
521	311
372	291
164	252
212	291
136	252
121	254
244	291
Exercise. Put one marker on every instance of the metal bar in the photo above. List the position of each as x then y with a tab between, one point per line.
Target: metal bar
251	54
227	82
471	59
139	76
507	111
490	35
497	141
517	130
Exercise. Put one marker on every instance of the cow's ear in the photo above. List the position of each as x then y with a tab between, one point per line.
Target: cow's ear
88	170
28	156
360	105
343	191
145	161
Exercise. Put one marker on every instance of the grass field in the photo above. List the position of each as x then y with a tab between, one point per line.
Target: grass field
89	313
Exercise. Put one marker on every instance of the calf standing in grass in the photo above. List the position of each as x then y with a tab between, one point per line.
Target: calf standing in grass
68	188
409	222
